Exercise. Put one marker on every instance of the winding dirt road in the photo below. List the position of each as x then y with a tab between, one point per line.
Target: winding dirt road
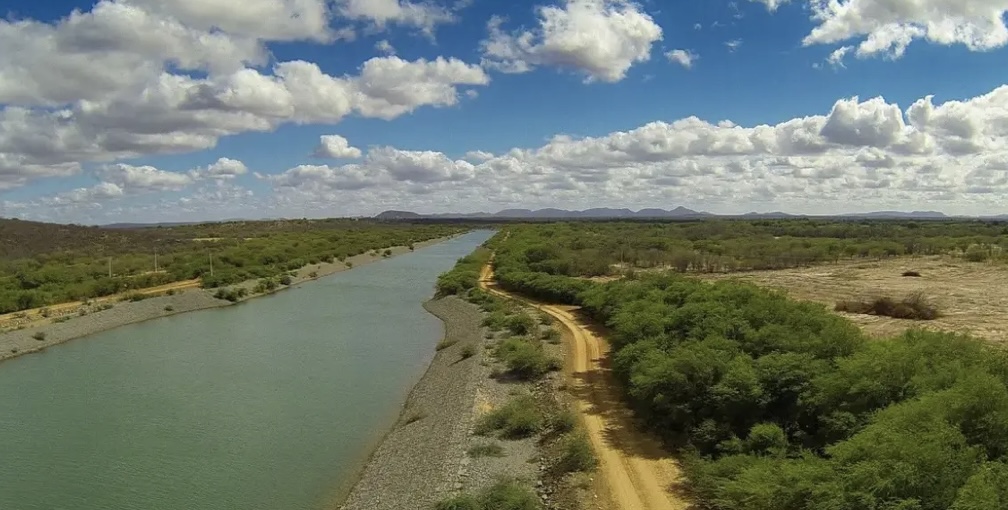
636	472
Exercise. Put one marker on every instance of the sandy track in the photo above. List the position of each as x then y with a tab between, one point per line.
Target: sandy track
636	472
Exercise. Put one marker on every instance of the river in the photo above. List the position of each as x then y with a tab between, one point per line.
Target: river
272	404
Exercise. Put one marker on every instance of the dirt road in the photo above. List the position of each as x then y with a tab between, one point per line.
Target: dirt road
636	472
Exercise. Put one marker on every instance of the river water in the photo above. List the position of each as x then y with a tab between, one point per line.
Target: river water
272	404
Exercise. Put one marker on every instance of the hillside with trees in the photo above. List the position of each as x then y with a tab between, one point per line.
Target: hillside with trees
777	404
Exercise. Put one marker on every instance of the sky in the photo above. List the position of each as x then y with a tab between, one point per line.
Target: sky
191	110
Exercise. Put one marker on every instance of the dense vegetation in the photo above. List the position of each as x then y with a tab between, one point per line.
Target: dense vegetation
603	248
42	264
778	404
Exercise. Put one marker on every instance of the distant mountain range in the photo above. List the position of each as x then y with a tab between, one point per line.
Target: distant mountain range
677	213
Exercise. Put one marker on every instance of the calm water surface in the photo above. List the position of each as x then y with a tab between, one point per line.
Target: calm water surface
268	405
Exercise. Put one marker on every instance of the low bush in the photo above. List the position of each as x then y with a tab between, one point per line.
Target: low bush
914	306
506	495
520	324
563	421
517	419
486	450
468	351
59	320
551	335
525	358
912	274
169	308
286	280
134	297
496	321
576	454
40	336
232	295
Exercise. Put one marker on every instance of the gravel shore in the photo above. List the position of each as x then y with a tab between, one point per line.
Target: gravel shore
422	459
107	313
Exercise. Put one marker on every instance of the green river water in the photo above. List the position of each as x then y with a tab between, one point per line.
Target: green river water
272	404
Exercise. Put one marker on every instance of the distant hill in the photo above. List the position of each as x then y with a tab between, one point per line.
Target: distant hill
397	215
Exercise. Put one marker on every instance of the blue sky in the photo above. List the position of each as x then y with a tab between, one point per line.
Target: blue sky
157	110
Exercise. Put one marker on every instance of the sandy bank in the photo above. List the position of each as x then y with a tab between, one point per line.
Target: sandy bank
420	461
35	333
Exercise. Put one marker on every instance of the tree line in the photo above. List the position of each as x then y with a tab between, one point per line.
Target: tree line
78	266
604	248
778	404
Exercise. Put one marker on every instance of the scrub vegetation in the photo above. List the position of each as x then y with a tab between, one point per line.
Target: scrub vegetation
774	403
43	264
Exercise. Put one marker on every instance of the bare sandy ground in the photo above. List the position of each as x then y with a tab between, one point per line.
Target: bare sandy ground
29	331
971	296
635	472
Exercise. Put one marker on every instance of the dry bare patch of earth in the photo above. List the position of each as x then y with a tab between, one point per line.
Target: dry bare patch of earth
972	297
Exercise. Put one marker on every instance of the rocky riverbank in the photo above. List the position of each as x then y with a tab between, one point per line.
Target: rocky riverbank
436	450
419	462
35	332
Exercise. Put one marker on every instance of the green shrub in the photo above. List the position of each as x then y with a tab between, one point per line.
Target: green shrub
285	279
468	351
486	450
525	358
505	495
233	295
40	336
563	421
576	454
517	419
551	335
496	321
766	439
520	324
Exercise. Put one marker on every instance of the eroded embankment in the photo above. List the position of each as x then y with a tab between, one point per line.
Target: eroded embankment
418	462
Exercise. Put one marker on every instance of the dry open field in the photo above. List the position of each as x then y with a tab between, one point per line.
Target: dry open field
972	297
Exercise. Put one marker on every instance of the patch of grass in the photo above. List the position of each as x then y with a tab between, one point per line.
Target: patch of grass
468	351
504	495
576	454
517	419
912	274
915	307
525	358
40	336
545	319
414	417
486	450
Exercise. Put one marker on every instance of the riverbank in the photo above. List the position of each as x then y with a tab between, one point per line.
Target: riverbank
35	333
439	447
419	462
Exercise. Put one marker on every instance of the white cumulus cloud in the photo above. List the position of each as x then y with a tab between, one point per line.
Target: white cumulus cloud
601	39
335	146
684	58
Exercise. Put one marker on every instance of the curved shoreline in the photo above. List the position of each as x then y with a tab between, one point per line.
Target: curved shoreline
19	342
419	461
